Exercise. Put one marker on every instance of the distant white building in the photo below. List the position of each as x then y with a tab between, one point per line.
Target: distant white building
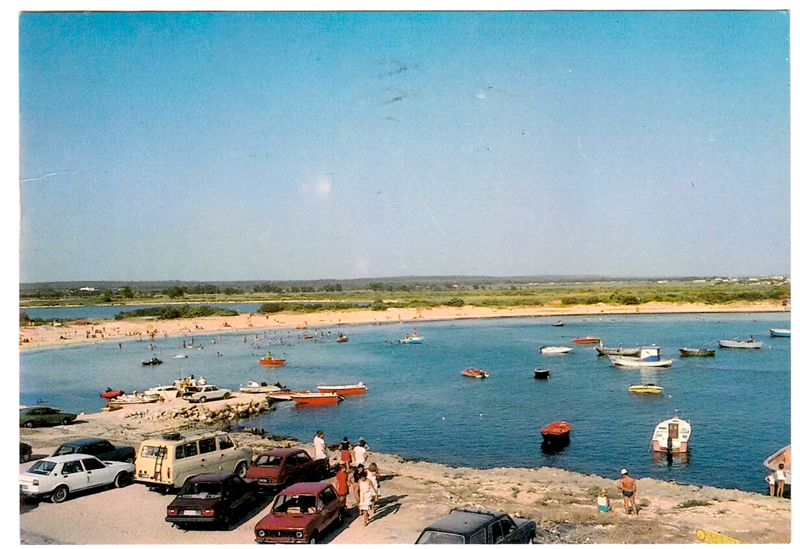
87	289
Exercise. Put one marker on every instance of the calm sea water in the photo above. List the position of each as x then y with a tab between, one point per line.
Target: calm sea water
420	407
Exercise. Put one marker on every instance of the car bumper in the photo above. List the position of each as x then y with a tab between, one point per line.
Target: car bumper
33	492
281	540
191	520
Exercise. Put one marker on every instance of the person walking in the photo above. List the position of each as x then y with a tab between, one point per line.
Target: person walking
780	480
366	496
357	470
341	482
320	449
627	484
347	458
360	453
372	474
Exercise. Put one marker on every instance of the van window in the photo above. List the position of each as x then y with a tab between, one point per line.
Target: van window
189	449
478	537
208	445
225	442
153	451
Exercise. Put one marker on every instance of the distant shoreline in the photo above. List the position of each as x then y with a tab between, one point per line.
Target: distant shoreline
92	331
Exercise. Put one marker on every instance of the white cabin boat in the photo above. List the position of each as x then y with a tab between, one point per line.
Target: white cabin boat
649	357
672	436
739	344
164	392
554	350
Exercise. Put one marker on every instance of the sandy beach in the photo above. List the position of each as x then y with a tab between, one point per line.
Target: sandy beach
81	332
414	494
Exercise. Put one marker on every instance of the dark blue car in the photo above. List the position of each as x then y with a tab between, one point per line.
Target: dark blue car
99	448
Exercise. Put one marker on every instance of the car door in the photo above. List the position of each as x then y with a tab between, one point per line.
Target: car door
327	500
75	475
291	468
98	474
237	491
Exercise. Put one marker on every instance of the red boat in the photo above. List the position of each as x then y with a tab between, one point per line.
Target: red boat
557	431
315	399
359	389
588	340
477	373
112	393
269	360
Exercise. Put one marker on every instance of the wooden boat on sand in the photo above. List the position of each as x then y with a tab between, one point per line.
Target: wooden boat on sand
477	373
672	436
316	399
344	390
690	351
556	432
646	389
134	398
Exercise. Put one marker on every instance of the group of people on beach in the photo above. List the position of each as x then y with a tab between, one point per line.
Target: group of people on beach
627	485
353	473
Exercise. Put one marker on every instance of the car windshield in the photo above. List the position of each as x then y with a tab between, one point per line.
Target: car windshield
64	450
42	467
201	490
304	504
269	461
432	536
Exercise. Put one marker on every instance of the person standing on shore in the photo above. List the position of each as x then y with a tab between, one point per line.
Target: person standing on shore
347	459
320	449
770	478
360	453
780	480
357	470
627	484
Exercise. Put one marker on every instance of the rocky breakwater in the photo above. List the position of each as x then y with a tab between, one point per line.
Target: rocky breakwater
199	413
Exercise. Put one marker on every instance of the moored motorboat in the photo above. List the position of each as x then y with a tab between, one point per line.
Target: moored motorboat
112	393
617	351
155	361
556	432
179	356
541	373
587	340
345	390
559	324
554	350
254	387
780	332
672	436
477	373
269	360
646	388
314	399
286	395
784	455
649	357
750	343
690	351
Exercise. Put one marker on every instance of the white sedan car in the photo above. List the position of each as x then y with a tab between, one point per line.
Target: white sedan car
57	476
202	393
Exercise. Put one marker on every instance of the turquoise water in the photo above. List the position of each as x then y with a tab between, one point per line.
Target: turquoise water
420	407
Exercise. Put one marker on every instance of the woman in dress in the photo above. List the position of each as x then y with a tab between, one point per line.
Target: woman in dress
366	493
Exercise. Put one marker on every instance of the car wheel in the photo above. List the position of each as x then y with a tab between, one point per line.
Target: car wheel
241	469
29	424
24	457
122	480
60	494
226	396
201	399
65	421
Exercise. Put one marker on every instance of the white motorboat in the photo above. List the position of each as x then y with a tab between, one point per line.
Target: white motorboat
672	436
750	343
263	387
554	350
164	392
649	357
780	332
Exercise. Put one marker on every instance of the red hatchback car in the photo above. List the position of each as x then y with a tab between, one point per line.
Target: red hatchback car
301	513
281	467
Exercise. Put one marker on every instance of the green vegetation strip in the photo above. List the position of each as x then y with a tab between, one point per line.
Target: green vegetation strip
185	311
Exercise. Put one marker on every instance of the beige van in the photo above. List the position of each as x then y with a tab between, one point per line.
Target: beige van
167	461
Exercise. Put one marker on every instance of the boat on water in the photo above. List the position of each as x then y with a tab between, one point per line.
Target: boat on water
269	360
646	389
541	373
344	390
689	351
155	361
316	399
254	387
286	395
749	343
342	338
617	351
179	356
559	324
556	432
112	393
784	455
477	373
649	357
554	350
586	340
780	332
672	436
134	398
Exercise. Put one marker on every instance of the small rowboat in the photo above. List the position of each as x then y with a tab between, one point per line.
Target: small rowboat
556	432
617	351
412	340
541	373
269	360
647	388
688	351
588	340
558	324
649	357
112	393
780	332
347	390
316	399
286	395
477	373
554	350
739	344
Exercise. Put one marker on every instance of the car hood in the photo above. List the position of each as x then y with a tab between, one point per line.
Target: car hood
258	471
281	521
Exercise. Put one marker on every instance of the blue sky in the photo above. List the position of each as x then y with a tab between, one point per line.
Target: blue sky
270	146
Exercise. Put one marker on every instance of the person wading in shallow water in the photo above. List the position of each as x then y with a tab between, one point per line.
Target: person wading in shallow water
628	486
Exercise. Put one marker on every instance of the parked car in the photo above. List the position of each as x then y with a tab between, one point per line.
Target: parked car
56	477
202	393
281	467
471	525
36	416
25	452
217	498
301	513
166	462
99	448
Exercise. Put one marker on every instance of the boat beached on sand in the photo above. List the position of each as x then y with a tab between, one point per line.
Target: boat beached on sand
690	351
750	343
554	350
649	357
477	373
672	436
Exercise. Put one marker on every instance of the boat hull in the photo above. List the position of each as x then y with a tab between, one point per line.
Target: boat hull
557	432
646	389
541	374
779	332
617	351
114	393
272	361
475	373
687	351
344	390
627	362
672	436
317	399
554	350
735	344
586	340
